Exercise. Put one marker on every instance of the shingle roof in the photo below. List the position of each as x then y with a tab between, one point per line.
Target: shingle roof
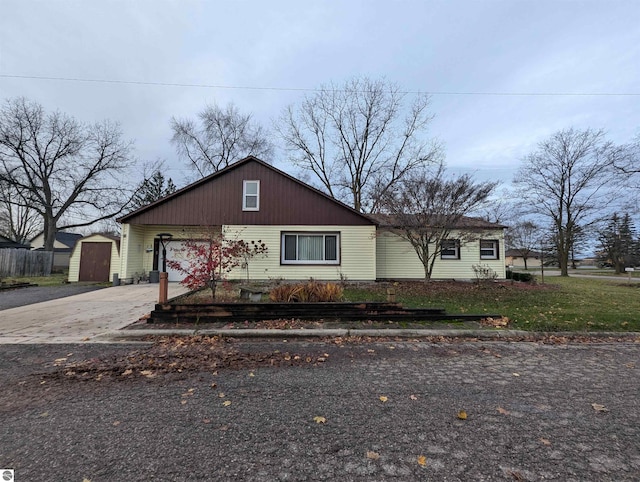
467	222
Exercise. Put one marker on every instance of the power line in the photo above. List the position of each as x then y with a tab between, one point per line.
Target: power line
303	89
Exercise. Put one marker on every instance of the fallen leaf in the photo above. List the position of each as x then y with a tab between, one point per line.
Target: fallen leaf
226	403
516	374
545	441
58	361
44	414
251	374
392	347
373	455
370	351
128	371
503	411
86	480
147	373
206	420
183	402
116	423
319	419
326	355
422	460
462	415
413	397
221	395
214	385
599	408
383	399
43	382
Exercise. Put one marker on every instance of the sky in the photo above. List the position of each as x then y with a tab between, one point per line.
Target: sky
503	74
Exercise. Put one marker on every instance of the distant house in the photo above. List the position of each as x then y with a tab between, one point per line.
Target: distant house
307	233
62	247
6	243
515	258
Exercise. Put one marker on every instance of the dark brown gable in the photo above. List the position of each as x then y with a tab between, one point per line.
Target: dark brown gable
217	200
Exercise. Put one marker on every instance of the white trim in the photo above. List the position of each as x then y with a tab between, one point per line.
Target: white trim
456	249
494	249
245	195
318	234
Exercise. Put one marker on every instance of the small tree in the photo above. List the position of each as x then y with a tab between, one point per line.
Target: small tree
152	188
617	244
428	209
209	260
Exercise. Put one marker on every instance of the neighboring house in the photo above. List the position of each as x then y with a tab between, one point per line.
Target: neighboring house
62	247
6	243
513	257
396	258
308	234
95	258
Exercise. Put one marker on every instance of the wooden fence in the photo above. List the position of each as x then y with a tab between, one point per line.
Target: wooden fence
23	262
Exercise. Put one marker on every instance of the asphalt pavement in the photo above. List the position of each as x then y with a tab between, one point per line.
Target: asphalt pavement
370	411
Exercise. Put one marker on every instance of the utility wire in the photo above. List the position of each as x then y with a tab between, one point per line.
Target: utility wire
302	89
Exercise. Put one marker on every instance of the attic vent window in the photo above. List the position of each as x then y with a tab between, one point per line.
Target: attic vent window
250	195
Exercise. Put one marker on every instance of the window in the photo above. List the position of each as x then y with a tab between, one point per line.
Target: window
310	248
450	249
488	249
250	195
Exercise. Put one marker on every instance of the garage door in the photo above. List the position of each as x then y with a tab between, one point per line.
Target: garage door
175	252
95	262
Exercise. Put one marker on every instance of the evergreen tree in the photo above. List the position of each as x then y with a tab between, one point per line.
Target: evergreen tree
152	189
618	244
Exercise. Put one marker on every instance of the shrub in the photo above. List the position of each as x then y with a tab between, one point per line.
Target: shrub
484	272
311	291
524	277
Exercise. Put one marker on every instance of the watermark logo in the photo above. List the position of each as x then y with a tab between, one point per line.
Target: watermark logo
6	475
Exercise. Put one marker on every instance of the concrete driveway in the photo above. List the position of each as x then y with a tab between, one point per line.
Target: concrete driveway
82	317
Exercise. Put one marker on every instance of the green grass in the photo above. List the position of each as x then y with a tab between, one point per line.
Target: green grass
52	280
562	304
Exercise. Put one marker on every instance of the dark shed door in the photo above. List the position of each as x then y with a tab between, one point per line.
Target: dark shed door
95	262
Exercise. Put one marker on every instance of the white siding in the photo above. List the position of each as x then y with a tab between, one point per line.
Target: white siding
396	259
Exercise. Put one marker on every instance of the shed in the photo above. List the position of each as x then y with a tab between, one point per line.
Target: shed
95	258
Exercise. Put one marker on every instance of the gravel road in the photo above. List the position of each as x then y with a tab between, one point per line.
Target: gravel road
530	415
36	294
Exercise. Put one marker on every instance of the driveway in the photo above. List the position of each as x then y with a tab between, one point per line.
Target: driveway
81	317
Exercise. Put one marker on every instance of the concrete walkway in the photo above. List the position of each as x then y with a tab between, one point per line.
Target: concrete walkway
80	318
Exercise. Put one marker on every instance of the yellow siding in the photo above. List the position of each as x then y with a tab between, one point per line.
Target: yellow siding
357	253
131	247
74	261
396	259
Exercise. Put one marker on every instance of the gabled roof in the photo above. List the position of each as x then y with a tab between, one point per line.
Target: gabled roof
466	222
217	199
112	237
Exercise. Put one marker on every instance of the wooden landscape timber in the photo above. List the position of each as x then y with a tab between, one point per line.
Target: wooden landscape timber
216	312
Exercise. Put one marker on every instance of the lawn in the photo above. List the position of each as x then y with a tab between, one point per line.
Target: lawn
561	304
52	280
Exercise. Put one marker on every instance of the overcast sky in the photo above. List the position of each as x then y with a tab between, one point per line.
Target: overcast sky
473	56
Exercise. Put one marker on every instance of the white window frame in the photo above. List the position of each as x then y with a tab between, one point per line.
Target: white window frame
495	249
456	248
245	195
310	262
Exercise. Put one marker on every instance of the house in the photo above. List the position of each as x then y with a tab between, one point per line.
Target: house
396	258
308	234
6	243
62	247
513	257
95	258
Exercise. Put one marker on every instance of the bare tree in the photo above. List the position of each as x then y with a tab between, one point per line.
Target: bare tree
566	181
17	222
218	138
427	210
67	172
525	238
357	141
